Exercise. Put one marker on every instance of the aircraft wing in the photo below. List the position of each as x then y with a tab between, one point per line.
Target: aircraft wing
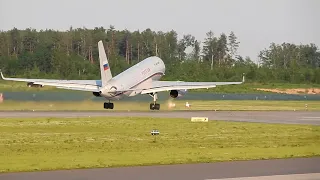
158	86
80	85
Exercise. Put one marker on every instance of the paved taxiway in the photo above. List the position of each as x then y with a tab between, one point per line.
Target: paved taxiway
285	117
309	167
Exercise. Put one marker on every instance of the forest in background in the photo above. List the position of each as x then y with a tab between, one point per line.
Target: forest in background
73	54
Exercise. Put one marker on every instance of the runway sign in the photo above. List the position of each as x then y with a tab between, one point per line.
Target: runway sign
199	119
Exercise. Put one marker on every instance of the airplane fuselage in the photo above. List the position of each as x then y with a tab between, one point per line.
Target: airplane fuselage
139	75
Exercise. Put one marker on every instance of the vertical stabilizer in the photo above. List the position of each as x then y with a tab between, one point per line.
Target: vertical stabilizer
104	65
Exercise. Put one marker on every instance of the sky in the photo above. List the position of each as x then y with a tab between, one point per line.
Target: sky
256	23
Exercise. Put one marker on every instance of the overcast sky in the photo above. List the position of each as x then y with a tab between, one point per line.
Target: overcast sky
256	23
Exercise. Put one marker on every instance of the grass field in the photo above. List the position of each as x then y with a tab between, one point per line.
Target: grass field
180	105
252	88
242	88
64	143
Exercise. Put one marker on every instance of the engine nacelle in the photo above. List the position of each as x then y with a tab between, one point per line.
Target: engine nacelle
96	94
108	93
177	93
31	84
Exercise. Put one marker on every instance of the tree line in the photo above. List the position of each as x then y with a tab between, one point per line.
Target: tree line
73	54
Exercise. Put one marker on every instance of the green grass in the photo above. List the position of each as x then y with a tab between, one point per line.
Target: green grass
240	105
64	143
11	86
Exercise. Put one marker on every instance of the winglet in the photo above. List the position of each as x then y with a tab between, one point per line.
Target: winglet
243	77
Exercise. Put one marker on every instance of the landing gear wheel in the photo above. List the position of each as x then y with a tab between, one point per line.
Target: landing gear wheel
154	106
108	105
111	105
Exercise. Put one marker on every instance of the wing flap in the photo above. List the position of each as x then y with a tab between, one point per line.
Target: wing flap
158	86
66	82
183	83
71	86
176	87
89	89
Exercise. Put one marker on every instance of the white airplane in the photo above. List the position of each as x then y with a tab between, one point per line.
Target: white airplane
142	78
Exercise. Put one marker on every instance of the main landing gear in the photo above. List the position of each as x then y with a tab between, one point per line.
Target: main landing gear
108	105
154	105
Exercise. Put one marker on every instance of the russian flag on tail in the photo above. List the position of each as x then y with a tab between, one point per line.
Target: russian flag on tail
105	67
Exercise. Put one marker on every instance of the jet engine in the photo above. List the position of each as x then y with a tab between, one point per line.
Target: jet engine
96	94
177	93
31	84
106	92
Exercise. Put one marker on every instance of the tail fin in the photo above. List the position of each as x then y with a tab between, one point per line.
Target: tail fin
104	65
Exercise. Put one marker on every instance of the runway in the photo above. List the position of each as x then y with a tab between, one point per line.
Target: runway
284	117
307	168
